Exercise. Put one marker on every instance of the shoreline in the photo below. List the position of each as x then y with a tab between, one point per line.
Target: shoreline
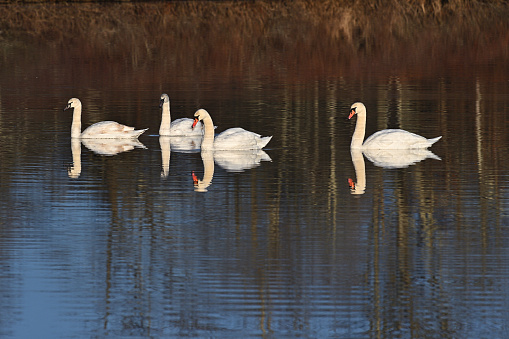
322	36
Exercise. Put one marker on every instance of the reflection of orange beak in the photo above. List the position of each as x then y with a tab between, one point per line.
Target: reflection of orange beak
195	122
195	178
352	113
351	183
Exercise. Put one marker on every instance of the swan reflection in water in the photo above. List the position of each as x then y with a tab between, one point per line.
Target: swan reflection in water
105	147
359	186
231	161
398	158
185	144
165	143
75	170
385	158
208	172
110	147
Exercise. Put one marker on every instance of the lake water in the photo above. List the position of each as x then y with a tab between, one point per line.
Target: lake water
308	240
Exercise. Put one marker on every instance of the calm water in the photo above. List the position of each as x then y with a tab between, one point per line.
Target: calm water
275	245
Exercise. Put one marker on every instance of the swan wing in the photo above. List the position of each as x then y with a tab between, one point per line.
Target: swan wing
239	138
184	126
397	139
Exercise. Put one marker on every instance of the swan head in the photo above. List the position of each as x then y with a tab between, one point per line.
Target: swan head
73	103
164	99
357	108
199	115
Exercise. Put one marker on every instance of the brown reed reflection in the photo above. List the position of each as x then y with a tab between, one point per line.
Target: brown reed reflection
287	238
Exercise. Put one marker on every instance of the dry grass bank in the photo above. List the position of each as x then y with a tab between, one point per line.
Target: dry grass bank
235	32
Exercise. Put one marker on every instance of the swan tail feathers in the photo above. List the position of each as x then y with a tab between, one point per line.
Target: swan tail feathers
432	141
434	156
138	132
264	141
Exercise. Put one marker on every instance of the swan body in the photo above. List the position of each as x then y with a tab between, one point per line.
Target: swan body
385	139
99	130
232	139
178	127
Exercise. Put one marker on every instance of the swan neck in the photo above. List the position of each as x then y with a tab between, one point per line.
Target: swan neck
360	130
208	136
164	129
76	122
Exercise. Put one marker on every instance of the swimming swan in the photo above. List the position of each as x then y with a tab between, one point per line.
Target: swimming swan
385	139
232	139
178	127
99	130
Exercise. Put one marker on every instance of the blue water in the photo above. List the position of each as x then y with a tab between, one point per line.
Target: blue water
125	245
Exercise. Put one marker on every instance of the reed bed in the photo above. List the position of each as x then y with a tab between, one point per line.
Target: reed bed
321	32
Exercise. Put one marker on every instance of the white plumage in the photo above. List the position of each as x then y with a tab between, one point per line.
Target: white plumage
232	139
99	130
384	139
178	127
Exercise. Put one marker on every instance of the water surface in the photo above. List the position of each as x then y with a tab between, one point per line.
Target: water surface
98	244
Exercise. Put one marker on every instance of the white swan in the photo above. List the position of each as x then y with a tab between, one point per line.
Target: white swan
99	130
385	139
178	127
232	139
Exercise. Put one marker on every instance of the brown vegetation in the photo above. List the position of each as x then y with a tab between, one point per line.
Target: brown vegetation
323	31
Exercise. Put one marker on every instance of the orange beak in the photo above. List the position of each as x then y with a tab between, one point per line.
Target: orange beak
195	122
352	113
195	178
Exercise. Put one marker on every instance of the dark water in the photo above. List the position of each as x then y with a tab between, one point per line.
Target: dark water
125	246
